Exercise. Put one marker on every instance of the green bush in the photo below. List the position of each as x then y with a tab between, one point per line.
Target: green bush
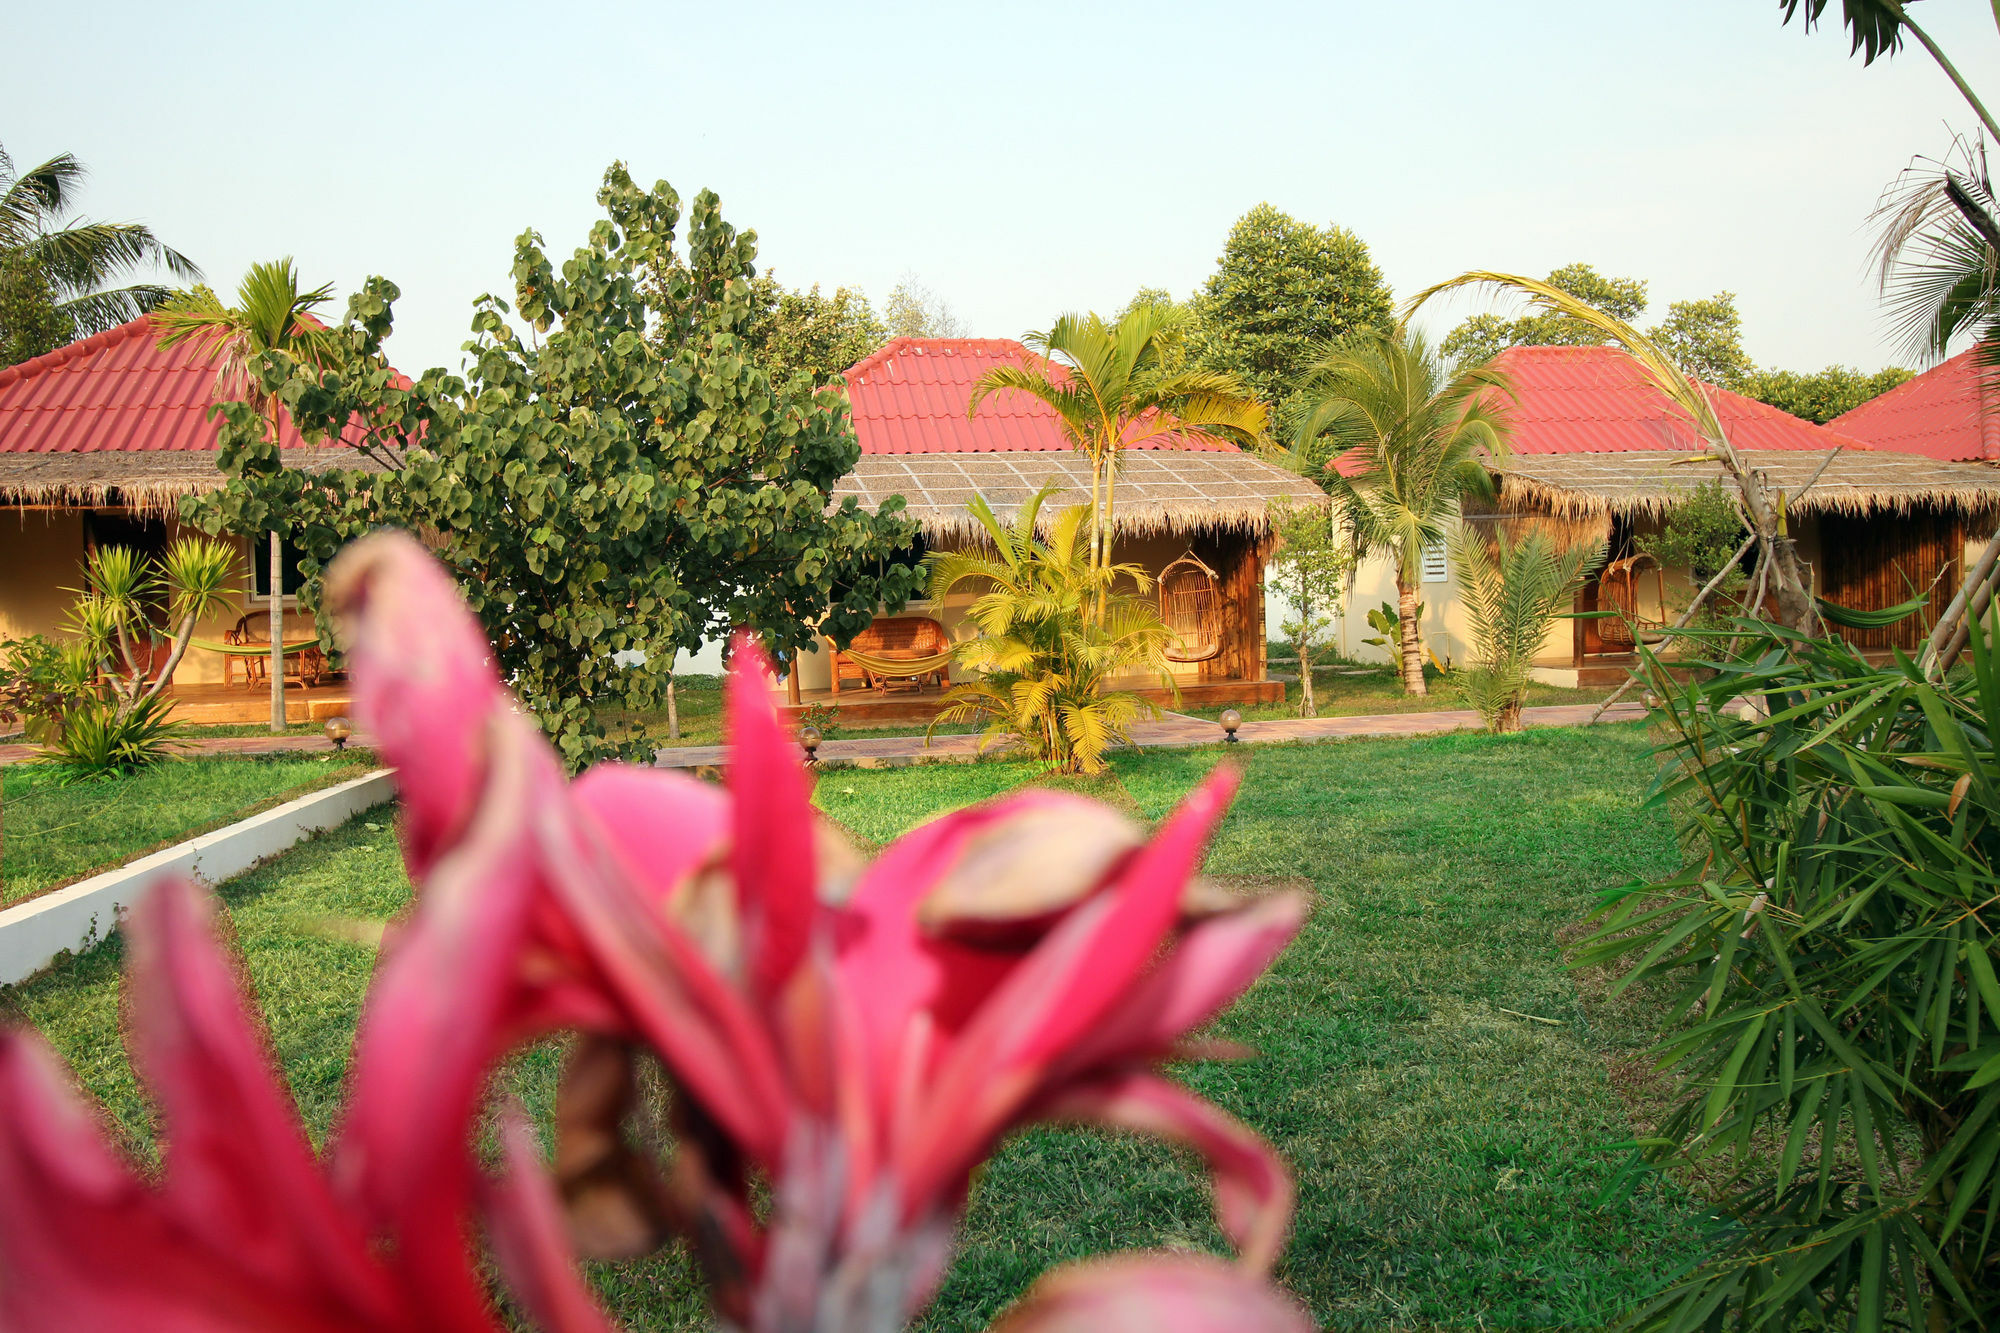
1828	951
99	739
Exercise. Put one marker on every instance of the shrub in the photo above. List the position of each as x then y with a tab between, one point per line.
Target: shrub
1834	1013
41	679
99	739
1513	592
1045	650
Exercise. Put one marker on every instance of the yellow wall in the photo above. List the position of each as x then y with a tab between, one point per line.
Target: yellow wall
41	554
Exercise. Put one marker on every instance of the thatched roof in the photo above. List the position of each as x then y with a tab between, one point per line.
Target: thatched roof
1159	491
1647	483
151	481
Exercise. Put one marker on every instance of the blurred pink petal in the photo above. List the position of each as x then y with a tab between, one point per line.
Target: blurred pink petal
424	685
1153	1293
531	1240
771	849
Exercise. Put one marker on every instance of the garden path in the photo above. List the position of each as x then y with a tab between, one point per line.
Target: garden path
1173	732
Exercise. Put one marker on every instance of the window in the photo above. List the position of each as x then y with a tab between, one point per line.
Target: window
1434	564
260	566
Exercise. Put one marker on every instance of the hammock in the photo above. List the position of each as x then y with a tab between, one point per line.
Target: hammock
293	647
898	668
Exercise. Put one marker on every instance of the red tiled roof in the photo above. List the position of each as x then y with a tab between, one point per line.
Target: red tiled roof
910	398
115	391
1950	412
1596	400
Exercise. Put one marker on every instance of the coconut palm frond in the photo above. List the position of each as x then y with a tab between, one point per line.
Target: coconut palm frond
1937	250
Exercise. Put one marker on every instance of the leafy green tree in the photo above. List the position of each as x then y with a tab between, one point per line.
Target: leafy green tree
1112	388
812	334
1705	338
1043	655
1820	396
602	501
1482	337
915	311
56	272
1513	592
271	314
1414	430
1281	290
1313	567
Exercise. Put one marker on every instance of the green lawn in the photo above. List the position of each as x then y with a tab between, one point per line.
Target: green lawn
52	835
1347	690
1450	1149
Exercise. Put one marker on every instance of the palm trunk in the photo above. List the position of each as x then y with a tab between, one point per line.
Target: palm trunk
1097	528
1413	645
277	635
1110	528
1509	718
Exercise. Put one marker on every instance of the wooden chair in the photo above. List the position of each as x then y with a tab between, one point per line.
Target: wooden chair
895	650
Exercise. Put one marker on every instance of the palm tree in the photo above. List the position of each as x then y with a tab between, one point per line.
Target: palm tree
1514	591
1411	429
62	267
271	315
1041	657
1111	388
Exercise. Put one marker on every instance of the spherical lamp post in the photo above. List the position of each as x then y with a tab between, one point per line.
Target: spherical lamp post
338	729
809	739
1231	720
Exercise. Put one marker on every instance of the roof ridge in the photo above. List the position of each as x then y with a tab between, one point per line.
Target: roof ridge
95	343
923	346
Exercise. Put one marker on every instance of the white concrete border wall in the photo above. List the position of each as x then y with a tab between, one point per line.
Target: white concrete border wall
81	915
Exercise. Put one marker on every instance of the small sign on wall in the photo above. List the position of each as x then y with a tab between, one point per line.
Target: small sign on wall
1434	563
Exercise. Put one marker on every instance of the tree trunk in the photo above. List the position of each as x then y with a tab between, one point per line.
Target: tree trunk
673	712
1308	706
1509	718
1412	636
277	634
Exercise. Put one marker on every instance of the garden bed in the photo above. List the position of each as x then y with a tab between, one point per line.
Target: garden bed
52	835
1426	1066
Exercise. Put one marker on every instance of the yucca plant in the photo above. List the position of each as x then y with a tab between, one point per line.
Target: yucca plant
99	739
1513	592
124	595
1828	958
1044	653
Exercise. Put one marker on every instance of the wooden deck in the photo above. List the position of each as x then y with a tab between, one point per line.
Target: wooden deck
863	707
219	705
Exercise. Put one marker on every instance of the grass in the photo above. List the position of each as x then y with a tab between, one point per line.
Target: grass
1427	1067
54	835
1347	690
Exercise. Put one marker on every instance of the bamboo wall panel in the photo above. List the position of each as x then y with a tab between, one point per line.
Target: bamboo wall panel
1880	561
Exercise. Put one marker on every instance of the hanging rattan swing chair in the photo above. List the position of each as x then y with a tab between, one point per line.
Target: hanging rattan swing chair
1618	592
1191	604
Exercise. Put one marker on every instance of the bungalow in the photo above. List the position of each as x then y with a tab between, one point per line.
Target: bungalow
99	441
1950	412
1598	454
1189	508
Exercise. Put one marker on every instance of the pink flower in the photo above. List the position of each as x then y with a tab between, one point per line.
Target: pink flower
245	1229
859	1036
864	1036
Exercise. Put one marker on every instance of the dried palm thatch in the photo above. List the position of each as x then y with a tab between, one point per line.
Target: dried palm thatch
1648	483
151	482
1160	491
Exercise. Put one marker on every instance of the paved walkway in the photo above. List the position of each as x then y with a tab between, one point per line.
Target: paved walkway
20	754
1173	732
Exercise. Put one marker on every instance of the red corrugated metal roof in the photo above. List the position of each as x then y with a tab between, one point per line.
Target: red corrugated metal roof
115	391
910	398
1949	412
1596	400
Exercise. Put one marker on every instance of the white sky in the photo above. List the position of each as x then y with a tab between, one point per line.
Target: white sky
1021	160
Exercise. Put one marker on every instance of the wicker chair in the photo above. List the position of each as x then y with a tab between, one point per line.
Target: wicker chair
895	638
